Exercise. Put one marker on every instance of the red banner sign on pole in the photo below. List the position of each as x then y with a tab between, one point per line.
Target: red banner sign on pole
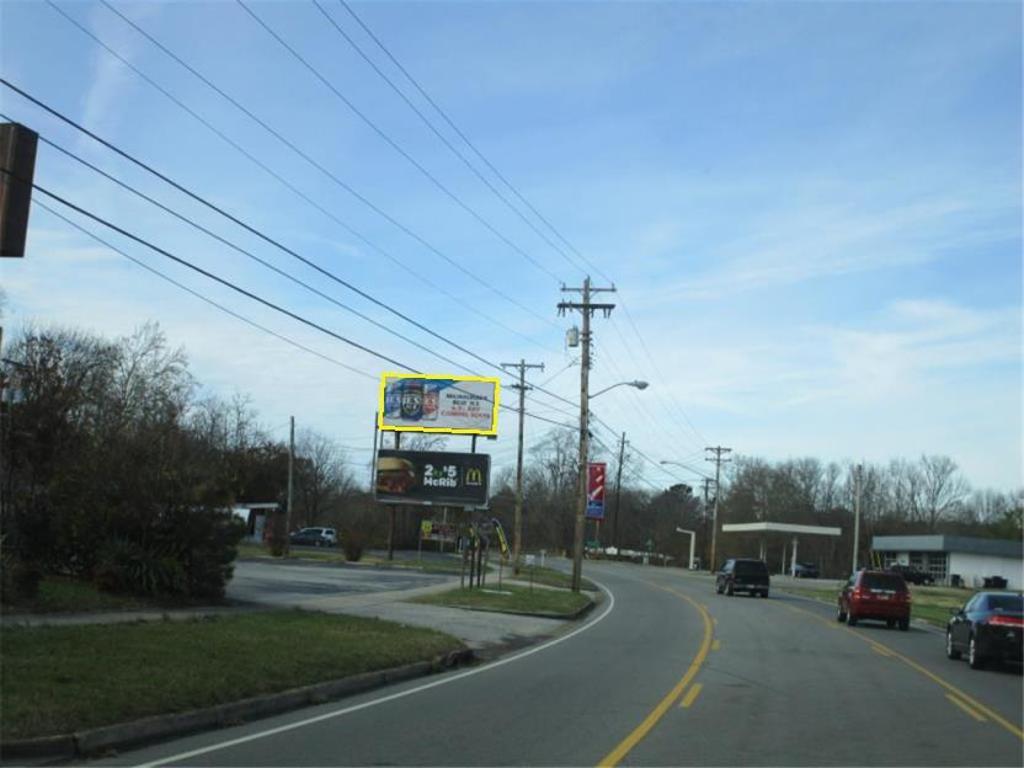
595	490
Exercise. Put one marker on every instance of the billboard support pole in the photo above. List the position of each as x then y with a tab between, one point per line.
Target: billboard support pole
373	462
391	531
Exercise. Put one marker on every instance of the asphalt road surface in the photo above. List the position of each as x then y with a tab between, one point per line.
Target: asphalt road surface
665	672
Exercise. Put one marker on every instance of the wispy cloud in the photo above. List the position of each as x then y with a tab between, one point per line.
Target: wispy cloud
806	242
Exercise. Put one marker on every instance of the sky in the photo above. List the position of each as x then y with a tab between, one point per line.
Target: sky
811	212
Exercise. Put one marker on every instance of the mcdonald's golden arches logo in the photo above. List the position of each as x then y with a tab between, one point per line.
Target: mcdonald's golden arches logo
474	477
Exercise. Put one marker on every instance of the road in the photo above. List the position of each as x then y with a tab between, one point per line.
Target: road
665	672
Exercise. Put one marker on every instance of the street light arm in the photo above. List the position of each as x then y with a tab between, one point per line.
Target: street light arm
637	384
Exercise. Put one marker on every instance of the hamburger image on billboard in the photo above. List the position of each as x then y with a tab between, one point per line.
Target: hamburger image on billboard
395	476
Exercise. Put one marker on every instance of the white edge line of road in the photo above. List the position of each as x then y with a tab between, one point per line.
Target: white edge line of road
390	697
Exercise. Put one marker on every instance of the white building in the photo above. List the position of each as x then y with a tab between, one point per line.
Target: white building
972	559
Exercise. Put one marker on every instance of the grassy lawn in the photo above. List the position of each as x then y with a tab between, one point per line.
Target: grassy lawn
511	599
58	594
929	604
551	578
58	679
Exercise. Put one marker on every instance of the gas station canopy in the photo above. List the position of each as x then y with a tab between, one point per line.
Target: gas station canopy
812	530
796	531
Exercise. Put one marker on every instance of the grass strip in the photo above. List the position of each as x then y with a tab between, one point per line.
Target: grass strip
60	594
552	578
930	604
60	679
511	599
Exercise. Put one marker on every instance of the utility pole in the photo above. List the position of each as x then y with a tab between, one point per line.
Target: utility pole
618	490
291	466
517	527
587	309
707	539
718	451
856	515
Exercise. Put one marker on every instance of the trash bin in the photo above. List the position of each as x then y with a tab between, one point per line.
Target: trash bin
998	582
956	580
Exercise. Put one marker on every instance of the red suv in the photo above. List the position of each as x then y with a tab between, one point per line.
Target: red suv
875	595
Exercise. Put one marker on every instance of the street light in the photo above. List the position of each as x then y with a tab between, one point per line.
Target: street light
714	522
693	539
581	507
637	384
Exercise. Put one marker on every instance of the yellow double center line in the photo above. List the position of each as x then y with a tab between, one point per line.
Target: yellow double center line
615	756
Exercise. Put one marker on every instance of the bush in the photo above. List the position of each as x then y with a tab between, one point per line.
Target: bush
19	580
206	543
126	567
353	542
190	552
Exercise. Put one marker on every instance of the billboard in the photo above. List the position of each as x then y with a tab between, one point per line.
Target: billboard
461	405
433	478
595	490
437	530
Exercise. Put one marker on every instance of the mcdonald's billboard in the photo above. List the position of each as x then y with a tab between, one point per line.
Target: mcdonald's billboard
433	478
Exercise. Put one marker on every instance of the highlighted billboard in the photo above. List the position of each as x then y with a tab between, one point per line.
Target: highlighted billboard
460	405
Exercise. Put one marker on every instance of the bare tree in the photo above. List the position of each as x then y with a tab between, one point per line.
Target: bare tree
942	488
321	477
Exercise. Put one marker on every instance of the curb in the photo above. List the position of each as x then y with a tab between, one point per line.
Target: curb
97	740
579	614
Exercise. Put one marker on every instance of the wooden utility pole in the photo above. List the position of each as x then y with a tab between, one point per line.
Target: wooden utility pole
618	491
517	527
856	515
707	539
587	309
291	471
718	451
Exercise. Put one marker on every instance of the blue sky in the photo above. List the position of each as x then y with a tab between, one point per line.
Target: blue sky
812	211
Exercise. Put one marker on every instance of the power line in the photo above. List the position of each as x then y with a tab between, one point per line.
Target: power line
429	123
252	230
206	299
654	364
238	289
444	115
250	255
394	144
291	187
470	144
223	281
117	150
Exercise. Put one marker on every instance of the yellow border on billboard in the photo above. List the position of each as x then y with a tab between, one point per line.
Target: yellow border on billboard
442	430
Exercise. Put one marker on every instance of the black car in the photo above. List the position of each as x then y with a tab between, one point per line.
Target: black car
805	571
739	575
987	628
912	575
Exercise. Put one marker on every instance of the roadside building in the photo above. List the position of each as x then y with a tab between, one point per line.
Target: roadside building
971	559
256	518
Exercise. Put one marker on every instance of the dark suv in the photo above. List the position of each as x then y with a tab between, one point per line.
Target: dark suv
911	574
738	575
